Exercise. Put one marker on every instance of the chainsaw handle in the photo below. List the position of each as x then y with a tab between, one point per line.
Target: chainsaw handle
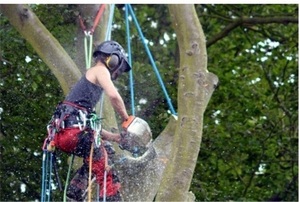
126	123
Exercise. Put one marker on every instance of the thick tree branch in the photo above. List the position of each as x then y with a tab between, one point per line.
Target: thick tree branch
195	87
250	22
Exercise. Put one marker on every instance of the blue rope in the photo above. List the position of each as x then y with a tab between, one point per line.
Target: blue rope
43	175
110	19
151	60
50	176
107	37
46	174
131	84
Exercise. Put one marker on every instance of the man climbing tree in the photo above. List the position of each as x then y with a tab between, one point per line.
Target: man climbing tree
76	128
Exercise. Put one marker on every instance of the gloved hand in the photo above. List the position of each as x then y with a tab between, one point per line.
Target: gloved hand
126	123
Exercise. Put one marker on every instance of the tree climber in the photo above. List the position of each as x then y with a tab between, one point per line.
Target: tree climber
75	135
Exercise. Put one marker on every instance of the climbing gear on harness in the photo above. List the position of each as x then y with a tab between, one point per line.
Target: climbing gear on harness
96	127
68	115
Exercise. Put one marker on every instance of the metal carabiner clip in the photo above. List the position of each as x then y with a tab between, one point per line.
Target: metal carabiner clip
82	117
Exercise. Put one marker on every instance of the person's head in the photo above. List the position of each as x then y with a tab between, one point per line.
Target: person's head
113	56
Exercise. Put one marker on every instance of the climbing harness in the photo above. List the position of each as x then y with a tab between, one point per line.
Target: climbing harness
80	118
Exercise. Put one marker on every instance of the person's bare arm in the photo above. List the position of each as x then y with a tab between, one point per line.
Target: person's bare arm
103	78
110	136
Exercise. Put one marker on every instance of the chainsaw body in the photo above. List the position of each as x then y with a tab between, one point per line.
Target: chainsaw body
137	138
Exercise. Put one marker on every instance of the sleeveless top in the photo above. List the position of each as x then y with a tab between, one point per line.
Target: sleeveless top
85	94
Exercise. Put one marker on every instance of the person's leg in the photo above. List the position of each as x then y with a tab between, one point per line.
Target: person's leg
78	185
117	197
112	183
77	142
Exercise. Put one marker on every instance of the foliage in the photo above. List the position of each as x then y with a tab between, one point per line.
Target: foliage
29	94
249	148
61	23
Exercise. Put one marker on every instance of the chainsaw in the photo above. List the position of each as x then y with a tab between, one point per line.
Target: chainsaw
137	136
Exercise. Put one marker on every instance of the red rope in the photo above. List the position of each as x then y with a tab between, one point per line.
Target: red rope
81	23
98	17
96	21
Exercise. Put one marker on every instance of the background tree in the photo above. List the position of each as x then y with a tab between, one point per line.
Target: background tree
260	156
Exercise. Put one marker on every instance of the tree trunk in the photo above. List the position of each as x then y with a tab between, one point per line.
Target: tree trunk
195	88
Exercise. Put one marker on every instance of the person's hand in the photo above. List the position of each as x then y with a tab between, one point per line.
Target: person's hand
124	143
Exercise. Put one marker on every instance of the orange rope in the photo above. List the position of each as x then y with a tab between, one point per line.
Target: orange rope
106	168
90	173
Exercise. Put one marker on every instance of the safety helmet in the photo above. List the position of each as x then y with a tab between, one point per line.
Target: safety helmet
114	57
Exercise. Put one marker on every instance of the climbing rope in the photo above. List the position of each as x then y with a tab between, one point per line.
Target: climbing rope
44	175
47	160
131	84
68	176
129	8
90	173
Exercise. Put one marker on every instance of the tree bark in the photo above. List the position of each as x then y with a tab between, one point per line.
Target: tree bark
195	88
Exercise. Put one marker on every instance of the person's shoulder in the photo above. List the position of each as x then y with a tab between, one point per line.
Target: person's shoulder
98	74
98	68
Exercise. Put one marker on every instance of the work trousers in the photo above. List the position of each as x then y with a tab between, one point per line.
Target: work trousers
77	142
